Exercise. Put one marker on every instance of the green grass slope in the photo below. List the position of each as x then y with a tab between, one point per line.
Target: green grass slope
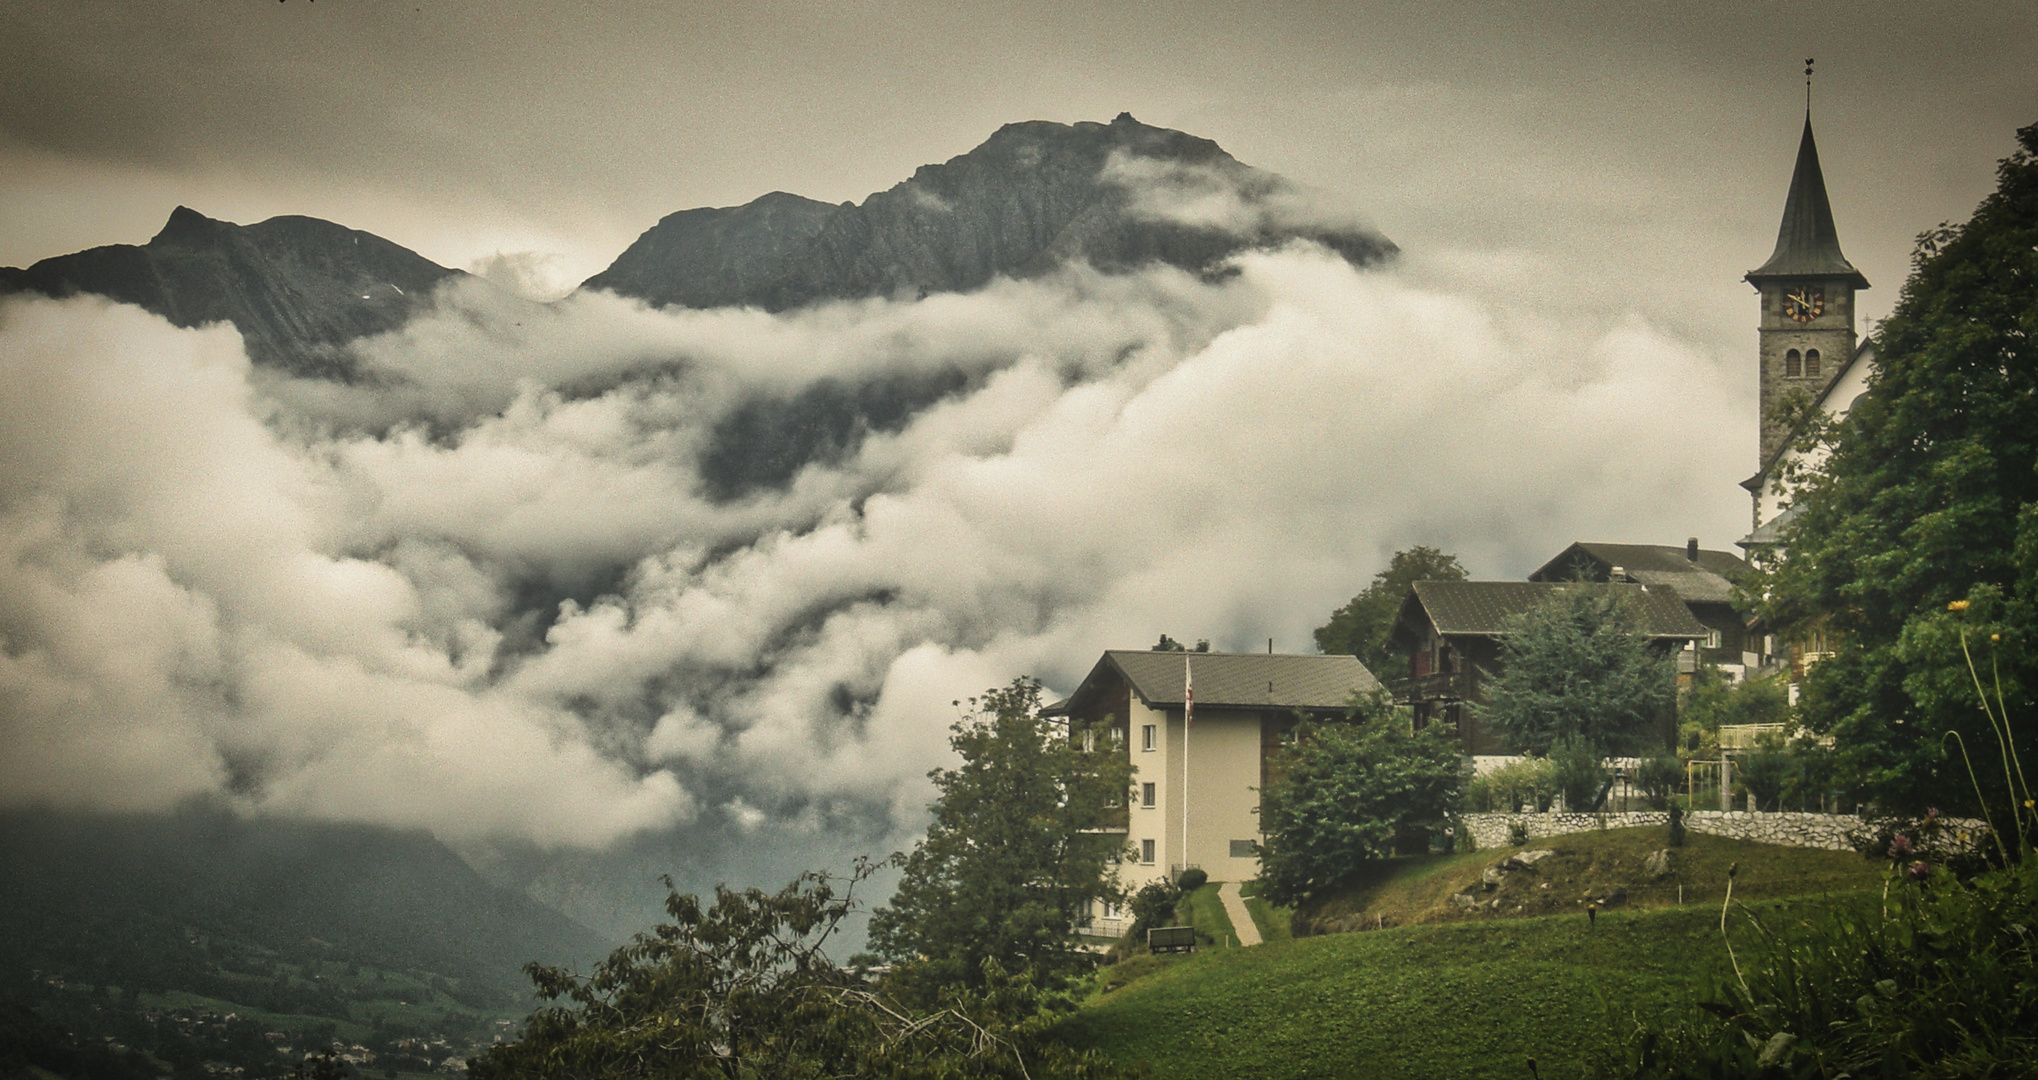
1472	1000
1600	865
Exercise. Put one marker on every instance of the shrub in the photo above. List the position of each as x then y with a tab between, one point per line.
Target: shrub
1517	833
1765	775
1659	778
1676	824
1192	879
1579	773
1530	783
1153	905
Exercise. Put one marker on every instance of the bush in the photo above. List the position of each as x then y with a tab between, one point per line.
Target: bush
1659	778
1579	773
1517	833
1676	824
1530	783
1153	905
1192	879
1765	775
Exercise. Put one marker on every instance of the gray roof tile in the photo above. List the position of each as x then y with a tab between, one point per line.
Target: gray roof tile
1484	607
1707	581
1279	680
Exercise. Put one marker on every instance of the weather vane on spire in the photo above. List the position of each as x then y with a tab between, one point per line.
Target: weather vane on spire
1808	85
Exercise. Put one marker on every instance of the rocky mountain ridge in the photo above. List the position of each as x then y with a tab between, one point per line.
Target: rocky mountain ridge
297	288
1034	196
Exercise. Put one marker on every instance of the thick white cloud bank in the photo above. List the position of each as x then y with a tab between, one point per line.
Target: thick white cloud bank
486	591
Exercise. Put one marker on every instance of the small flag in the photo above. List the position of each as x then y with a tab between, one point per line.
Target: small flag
1188	692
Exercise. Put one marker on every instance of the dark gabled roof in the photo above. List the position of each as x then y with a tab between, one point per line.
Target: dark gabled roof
1807	244
1484	608
1707	581
1236	680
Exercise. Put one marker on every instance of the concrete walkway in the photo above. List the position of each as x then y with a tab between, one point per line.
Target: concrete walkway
1241	920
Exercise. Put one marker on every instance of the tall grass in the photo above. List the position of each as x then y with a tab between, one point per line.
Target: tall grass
1940	979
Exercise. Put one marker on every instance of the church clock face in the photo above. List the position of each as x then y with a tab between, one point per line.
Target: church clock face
1804	304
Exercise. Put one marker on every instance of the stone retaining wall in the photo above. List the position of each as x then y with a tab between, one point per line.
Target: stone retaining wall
1828	831
1831	832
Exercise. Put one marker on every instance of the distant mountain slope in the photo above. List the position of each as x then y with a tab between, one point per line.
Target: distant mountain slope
118	897
716	256
1032	197
297	288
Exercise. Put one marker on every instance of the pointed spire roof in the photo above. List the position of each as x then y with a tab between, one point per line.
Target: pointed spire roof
1807	245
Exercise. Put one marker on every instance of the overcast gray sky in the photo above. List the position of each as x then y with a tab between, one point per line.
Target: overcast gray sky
1620	143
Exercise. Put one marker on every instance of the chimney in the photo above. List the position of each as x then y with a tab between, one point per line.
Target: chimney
1691	549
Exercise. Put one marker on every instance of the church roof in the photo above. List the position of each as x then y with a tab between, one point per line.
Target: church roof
1807	244
1770	533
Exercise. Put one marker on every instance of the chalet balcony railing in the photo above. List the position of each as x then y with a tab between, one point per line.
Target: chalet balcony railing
1435	686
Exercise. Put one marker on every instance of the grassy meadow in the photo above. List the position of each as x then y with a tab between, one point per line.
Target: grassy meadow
1443	993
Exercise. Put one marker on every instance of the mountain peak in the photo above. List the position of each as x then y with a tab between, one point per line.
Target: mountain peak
297	288
189	228
1036	195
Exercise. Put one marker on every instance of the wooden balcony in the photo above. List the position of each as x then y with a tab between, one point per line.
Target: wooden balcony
1436	686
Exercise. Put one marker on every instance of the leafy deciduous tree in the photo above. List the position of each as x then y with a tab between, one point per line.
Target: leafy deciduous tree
1344	791
1013	859
1578	666
1360	627
742	987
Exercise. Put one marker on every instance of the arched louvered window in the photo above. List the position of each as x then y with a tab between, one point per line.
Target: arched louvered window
1793	364
1811	363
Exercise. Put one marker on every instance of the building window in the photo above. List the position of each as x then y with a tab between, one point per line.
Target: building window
1146	794
1811	363
1243	849
1714	639
1146	736
1146	851
1793	364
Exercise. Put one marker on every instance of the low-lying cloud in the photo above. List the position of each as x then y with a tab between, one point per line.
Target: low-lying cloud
486	589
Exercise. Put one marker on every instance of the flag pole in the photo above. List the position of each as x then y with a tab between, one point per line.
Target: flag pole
1188	718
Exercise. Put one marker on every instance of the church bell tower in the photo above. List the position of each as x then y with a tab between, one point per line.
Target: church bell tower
1807	290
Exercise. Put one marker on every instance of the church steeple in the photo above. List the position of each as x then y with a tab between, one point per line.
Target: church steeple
1807	327
1807	244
